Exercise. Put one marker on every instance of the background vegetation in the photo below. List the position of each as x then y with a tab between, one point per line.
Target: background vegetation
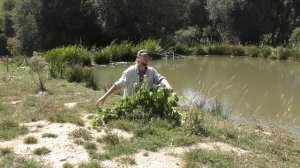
40	25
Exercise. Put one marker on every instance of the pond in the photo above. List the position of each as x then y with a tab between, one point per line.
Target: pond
253	90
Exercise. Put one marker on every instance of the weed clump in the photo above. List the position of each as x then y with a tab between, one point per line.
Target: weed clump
41	151
30	140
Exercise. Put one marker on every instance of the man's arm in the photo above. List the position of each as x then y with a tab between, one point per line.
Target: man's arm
102	99
167	84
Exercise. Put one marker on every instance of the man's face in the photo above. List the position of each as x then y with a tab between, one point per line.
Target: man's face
144	59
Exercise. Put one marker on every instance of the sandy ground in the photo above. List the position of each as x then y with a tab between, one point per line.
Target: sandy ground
63	149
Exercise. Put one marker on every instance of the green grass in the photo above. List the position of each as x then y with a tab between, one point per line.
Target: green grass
127	160
5	151
20	162
41	151
81	133
49	135
10	130
68	165
91	164
66	117
206	158
30	140
280	149
90	146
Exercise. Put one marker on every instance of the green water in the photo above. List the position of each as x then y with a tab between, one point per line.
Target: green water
252	90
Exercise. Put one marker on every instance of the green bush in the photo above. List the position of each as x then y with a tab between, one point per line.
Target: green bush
225	49
143	105
125	51
258	51
101	57
282	53
59	58
152	45
199	50
182	49
75	73
295	36
252	51
39	71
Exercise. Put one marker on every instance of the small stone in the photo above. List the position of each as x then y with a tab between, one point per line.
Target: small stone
63	159
15	102
70	105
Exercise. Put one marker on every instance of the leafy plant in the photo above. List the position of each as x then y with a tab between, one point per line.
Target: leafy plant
143	105
39	71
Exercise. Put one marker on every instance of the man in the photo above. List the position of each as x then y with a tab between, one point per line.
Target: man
135	74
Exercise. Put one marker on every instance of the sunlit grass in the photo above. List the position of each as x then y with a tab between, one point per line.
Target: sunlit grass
11	129
20	162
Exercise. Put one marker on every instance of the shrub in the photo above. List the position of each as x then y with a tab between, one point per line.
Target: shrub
75	73
188	36
30	140
182	49
261	51
144	105
59	58
284	53
152	45
295	36
124	50
101	57
252	51
39	71
199	50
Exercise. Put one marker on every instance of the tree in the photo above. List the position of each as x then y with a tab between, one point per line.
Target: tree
137	20
45	24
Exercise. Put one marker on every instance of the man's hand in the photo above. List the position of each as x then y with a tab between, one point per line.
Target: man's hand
170	88
101	100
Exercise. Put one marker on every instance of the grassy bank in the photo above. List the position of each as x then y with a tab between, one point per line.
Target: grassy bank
21	101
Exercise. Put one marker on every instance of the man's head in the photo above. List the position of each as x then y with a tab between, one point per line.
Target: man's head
143	57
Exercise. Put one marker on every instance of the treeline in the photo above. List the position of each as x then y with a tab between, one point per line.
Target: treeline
40	25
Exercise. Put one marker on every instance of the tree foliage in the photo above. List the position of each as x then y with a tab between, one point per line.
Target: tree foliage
43	24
